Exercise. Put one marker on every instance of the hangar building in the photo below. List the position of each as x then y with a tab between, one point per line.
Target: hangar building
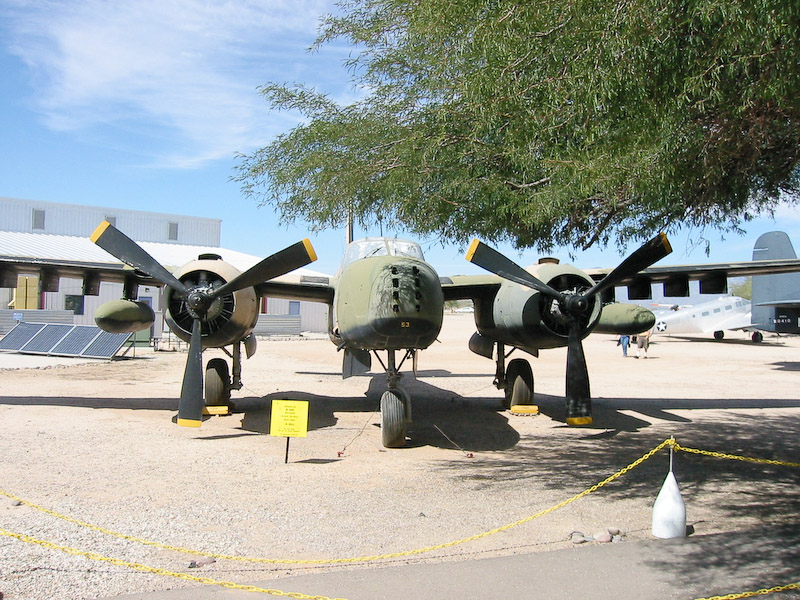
52	231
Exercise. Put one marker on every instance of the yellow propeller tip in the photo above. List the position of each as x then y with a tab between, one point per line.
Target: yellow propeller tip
99	231
665	242
473	248
310	249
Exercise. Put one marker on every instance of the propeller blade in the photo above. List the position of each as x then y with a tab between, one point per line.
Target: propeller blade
579	400
291	258
651	252
190	409
116	243
491	260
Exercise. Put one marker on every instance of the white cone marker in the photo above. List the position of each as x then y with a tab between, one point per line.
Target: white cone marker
669	511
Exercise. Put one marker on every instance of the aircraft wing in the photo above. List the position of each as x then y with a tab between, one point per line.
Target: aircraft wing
469	287
302	287
52	269
292	287
696	272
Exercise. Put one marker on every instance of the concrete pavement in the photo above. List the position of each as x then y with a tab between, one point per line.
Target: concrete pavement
686	568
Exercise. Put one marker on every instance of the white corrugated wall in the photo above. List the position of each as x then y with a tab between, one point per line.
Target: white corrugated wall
70	219
314	315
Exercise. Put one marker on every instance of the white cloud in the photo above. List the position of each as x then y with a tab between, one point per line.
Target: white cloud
181	74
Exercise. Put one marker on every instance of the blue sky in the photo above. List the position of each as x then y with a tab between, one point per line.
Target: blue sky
144	104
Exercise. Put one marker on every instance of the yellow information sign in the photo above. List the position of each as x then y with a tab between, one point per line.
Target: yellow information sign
289	418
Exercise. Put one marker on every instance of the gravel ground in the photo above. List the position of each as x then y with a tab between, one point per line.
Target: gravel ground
96	442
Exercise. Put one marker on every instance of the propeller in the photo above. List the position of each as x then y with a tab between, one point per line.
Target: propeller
574	306
199	300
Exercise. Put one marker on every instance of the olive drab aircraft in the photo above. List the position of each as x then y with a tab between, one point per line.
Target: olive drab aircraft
386	301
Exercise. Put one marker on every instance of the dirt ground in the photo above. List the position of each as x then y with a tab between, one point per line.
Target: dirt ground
97	442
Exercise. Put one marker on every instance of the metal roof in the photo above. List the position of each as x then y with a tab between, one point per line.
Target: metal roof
19	245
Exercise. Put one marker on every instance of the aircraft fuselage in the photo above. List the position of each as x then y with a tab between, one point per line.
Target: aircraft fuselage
387	302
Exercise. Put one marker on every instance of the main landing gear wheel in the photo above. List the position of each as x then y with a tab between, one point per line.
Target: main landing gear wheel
217	382
393	419
519	383
758	337
718	335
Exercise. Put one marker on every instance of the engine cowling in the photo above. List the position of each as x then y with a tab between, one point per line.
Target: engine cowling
230	318
530	320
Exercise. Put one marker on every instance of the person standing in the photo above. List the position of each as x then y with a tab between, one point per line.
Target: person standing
643	343
624	341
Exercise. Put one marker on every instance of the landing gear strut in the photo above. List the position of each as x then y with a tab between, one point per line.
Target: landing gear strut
395	404
516	380
218	383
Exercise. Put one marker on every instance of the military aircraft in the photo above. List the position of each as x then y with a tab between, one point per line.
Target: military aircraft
385	297
775	302
711	316
776	297
385	300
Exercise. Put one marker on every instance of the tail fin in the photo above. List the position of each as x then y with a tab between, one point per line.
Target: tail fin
774	295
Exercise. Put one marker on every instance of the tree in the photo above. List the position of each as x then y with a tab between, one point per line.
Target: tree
743	288
561	122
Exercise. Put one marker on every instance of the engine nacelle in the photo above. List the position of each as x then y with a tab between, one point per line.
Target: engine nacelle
230	318
625	319
124	316
525	318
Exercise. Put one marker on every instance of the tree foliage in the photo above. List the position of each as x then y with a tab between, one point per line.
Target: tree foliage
560	122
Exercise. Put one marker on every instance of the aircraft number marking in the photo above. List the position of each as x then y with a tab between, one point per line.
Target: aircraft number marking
405	324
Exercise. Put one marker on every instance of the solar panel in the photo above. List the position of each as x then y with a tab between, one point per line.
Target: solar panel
106	344
75	341
63	340
20	335
48	337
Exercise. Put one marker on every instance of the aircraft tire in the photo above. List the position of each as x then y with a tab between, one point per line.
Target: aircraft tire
217	382
519	383
718	335
758	337
393	420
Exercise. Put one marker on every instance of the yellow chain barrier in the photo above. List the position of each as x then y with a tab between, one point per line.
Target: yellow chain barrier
671	442
157	571
762	461
761	592
357	559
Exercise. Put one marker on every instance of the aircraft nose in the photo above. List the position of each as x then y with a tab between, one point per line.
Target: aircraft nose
414	303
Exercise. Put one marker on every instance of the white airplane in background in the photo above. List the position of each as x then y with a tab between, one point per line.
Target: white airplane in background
714	316
775	305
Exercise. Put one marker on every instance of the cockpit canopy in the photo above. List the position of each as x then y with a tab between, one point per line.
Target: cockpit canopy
380	246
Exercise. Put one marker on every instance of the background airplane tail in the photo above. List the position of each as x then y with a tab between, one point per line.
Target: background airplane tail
776	298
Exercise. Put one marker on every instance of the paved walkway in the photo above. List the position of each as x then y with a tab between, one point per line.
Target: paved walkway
688	568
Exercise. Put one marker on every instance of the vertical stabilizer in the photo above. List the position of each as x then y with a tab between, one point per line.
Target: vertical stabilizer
773	288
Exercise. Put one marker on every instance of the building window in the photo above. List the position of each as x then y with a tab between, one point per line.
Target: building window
173	231
74	303
112	220
38	219
294	307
